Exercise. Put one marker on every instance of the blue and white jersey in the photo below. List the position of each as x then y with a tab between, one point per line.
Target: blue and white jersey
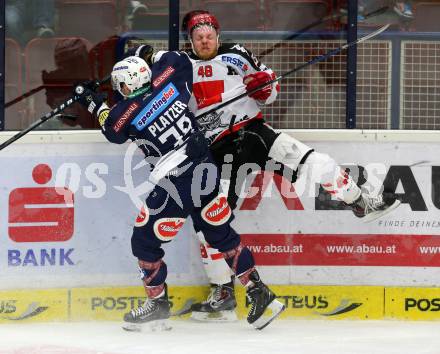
160	117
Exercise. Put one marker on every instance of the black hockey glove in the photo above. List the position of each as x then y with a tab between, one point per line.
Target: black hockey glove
144	51
87	96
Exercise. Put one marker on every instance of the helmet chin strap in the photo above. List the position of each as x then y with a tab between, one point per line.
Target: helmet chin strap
139	91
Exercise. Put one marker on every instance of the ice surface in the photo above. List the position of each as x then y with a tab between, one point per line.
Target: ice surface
282	336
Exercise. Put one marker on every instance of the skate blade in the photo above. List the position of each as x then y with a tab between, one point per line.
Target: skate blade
220	316
153	326
378	214
274	309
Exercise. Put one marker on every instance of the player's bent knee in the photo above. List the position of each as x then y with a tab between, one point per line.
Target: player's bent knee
321	161
289	151
162	229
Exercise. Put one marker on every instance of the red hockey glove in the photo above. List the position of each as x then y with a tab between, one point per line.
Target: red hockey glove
254	80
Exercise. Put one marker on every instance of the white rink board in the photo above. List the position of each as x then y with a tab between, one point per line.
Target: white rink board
97	253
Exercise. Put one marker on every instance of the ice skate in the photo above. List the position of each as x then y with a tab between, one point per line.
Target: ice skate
264	307
150	317
219	306
371	208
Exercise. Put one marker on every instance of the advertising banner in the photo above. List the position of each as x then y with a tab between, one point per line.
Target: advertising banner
412	303
67	211
110	304
38	306
300	226
326	302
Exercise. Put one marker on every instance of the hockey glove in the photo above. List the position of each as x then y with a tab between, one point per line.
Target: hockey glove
259	78
143	51
87	96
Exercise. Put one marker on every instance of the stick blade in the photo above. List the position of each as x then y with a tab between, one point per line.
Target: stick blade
186	308
374	33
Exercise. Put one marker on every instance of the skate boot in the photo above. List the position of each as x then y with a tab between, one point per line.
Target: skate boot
264	307
371	208
219	306
151	316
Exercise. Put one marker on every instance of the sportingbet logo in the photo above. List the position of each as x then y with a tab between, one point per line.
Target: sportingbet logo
156	107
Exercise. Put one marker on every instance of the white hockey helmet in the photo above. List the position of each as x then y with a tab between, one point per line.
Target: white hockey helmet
132	71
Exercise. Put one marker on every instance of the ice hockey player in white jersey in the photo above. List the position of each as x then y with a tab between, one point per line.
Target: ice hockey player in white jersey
221	72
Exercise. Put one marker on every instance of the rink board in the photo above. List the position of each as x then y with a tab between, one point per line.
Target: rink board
413	303
112	303
68	205
34	305
311	302
300	301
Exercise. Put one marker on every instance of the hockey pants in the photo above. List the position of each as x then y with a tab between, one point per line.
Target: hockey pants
258	143
196	194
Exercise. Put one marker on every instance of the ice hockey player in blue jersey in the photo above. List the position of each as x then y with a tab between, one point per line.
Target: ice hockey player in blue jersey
154	114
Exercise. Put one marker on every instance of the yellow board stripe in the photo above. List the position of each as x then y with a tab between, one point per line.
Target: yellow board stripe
34	305
325	302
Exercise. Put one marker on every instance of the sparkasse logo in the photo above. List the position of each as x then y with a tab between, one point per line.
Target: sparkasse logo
41	214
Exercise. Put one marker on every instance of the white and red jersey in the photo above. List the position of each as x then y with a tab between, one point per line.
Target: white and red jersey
220	79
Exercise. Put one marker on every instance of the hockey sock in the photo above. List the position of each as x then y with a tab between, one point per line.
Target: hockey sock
240	260
153	275
245	278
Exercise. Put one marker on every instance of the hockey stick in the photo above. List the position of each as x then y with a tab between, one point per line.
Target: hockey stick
186	308
298	68
52	113
317	23
25	95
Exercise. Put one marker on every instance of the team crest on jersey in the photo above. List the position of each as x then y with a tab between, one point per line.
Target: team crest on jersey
218	211
142	217
166	229
156	106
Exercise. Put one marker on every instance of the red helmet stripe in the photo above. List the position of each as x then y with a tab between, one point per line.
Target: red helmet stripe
202	19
